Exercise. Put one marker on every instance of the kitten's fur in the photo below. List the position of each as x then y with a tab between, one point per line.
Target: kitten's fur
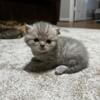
51	50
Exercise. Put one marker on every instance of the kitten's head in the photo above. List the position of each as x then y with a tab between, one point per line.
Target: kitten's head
41	37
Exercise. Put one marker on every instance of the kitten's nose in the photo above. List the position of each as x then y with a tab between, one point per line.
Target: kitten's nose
42	45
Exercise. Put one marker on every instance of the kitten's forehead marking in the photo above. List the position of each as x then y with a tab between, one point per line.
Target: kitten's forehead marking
44	30
43	27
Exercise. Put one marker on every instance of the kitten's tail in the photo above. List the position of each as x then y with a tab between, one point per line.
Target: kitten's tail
78	67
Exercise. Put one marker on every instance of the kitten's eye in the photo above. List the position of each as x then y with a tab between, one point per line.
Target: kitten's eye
36	40
48	41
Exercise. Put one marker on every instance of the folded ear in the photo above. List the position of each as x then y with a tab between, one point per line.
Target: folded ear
57	28
58	31
28	27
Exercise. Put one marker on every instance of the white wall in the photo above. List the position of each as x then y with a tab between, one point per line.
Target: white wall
64	10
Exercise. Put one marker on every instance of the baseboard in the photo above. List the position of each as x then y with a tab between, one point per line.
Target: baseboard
64	19
88	18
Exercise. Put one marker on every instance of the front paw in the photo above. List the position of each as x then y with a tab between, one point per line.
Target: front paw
61	70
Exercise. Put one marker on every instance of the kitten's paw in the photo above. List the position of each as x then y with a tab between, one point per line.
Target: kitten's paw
60	69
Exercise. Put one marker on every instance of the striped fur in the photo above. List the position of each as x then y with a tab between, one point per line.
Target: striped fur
66	54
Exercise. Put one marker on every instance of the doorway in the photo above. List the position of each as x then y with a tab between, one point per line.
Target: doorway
81	10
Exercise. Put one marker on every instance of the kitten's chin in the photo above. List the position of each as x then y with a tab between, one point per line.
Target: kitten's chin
43	51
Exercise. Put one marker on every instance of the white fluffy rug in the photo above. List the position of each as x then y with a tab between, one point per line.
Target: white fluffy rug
16	84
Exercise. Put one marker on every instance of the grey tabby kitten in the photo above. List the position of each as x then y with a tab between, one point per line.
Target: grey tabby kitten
51	50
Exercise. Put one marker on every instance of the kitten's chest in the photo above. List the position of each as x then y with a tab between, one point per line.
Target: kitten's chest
51	57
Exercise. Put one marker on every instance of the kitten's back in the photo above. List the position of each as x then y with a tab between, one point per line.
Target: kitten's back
70	48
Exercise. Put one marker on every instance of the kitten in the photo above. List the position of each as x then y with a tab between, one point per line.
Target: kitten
65	54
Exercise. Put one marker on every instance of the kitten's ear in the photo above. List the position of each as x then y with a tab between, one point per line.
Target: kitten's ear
28	27
58	31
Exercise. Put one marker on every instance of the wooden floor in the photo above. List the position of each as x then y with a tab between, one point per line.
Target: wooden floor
80	24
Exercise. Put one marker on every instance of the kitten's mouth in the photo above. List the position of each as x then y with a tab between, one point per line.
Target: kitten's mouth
43	50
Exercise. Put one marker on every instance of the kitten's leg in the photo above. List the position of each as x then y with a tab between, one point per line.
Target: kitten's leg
61	69
32	65
64	68
38	66
72	67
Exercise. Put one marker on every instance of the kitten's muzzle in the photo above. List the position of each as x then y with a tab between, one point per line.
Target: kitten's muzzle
42	45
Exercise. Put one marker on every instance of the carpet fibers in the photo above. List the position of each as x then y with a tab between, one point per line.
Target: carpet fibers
17	84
